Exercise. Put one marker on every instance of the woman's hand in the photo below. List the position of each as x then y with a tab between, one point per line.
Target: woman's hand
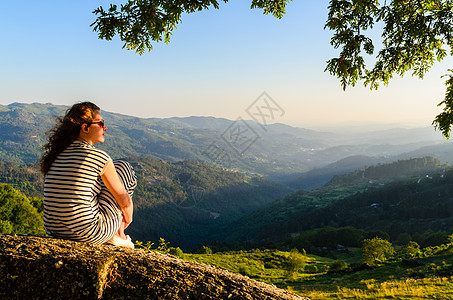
127	214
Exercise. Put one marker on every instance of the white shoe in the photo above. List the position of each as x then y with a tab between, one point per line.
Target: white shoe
117	241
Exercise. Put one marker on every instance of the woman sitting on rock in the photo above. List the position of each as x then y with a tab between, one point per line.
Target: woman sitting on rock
87	196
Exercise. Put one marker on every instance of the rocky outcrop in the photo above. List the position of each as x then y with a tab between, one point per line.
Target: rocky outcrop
43	268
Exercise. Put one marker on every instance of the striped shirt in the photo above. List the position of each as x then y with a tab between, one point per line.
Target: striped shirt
71	205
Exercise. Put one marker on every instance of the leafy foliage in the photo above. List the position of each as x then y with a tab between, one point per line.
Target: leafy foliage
339	265
443	120
203	250
148	246
411	250
176	252
415	35
139	23
25	178
17	214
163	245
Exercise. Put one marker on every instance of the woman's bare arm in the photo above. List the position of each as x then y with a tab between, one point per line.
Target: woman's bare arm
116	187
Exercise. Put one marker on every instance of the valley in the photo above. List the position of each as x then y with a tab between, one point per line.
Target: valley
290	189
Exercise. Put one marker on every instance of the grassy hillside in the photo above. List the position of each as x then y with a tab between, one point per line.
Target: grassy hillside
428	275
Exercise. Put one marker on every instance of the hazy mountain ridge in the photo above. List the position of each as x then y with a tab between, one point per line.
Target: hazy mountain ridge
397	135
317	177
278	149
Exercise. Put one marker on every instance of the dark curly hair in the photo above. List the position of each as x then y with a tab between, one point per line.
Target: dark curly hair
66	131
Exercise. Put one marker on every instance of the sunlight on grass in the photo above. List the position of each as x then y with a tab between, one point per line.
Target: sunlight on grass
427	288
267	266
314	280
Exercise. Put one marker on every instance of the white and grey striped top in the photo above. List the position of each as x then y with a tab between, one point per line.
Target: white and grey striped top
71	187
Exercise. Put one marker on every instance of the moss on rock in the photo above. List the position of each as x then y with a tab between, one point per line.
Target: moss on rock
35	267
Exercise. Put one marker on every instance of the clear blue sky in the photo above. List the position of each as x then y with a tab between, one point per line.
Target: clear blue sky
217	63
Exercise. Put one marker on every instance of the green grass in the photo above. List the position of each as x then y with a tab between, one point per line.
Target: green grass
394	280
426	288
267	265
428	277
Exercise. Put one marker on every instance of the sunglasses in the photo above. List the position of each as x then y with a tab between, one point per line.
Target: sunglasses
101	123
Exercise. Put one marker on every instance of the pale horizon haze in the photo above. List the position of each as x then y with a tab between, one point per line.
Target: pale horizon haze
217	63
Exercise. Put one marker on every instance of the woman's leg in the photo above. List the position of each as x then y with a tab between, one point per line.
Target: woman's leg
127	176
111	217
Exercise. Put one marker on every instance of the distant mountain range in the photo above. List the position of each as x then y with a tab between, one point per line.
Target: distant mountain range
272	151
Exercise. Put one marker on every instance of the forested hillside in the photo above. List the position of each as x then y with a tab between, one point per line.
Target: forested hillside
317	177
187	202
25	178
184	202
370	199
404	210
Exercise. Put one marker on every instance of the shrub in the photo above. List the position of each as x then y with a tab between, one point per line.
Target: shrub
311	269
176	252
204	250
411	250
244	270
376	250
403	239
450	239
6	227
339	265
295	262
270	265
163	245
147	247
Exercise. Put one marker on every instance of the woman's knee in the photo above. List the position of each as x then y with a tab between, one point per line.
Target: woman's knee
126	173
